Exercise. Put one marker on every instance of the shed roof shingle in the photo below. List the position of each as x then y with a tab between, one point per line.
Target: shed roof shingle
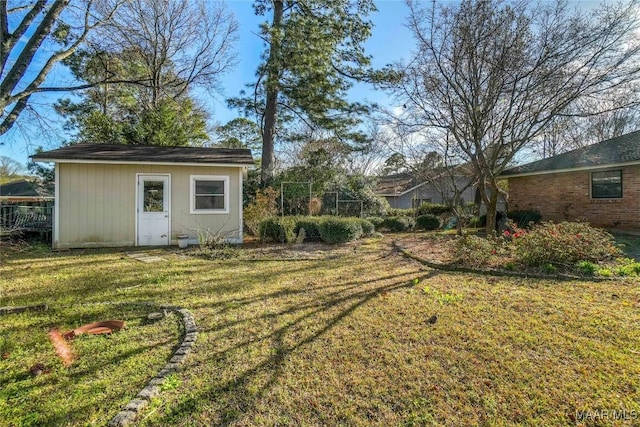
148	153
622	149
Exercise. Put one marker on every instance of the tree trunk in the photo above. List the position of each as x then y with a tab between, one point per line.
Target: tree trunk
491	202
271	108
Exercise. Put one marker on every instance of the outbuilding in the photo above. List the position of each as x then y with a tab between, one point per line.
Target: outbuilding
140	195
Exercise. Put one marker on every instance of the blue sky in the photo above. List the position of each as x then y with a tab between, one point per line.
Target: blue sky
391	41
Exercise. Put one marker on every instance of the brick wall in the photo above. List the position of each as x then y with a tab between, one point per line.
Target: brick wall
567	196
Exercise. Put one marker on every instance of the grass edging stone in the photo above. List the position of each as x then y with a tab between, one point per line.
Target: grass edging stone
152	389
23	308
493	272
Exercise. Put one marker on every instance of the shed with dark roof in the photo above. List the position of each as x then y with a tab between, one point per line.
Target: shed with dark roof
599	183
141	195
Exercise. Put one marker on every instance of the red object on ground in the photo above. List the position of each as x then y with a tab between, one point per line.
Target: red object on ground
95	328
61	347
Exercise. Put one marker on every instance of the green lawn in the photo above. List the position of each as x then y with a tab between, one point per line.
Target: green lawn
338	340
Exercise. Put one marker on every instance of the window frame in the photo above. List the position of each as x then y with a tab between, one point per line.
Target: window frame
192	194
591	187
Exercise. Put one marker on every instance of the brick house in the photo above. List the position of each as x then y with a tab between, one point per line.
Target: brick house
599	184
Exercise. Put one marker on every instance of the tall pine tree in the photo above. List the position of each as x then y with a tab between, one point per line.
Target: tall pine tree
314	53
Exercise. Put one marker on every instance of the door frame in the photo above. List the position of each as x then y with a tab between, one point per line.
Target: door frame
137	206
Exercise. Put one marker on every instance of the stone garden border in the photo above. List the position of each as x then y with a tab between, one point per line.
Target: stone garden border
131	411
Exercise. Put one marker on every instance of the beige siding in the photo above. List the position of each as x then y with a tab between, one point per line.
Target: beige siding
97	204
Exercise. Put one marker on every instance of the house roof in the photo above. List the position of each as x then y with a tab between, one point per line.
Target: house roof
146	154
395	185
404	182
23	189
623	149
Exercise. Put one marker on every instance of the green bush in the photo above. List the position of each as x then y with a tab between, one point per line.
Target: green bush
367	227
311	225
549	268
377	222
399	223
400	212
565	243
473	251
587	268
428	222
340	230
522	218
628	268
278	229
433	209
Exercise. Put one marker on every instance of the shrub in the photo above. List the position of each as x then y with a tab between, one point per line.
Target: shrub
377	222
522	218
428	222
278	229
400	212
261	207
210	239
628	268
340	230
549	268
564	243
473	251
367	228
587	268
433	209
399	223
605	272
311	225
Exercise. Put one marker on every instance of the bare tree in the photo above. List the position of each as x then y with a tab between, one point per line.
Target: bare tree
177	44
579	127
369	159
53	31
10	168
495	75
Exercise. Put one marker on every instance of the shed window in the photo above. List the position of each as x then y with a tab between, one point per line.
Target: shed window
606	185
209	194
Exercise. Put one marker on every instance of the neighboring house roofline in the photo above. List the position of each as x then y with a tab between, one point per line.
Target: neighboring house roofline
622	150
26	198
565	170
415	187
402	193
405	176
25	190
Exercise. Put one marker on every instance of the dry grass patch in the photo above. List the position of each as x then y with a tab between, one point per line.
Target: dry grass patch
345	340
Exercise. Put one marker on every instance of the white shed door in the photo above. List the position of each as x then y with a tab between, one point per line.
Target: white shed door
153	210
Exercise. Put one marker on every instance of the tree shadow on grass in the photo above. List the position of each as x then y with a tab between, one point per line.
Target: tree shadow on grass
98	360
311	323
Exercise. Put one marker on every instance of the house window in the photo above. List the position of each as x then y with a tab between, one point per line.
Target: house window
209	194
606	185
